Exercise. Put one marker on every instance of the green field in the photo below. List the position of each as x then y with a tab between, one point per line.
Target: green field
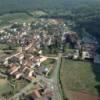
79	76
19	84
7	19
20	17
4	87
11	86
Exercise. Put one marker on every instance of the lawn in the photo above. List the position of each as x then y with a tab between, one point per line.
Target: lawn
78	76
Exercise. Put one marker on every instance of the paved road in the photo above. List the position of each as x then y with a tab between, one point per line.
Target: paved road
52	86
55	79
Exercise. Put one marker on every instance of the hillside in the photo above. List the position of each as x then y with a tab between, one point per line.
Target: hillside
20	5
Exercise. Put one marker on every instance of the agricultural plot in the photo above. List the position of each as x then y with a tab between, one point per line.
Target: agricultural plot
80	76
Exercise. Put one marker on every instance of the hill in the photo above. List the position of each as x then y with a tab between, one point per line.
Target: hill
20	5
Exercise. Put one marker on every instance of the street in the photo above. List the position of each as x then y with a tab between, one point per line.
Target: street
55	78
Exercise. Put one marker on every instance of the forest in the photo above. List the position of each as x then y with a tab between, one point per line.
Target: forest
23	5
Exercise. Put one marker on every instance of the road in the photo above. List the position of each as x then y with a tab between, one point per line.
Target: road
55	78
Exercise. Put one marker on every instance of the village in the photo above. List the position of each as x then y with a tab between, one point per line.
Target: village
30	45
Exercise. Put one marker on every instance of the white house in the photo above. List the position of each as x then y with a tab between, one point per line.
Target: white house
76	54
87	55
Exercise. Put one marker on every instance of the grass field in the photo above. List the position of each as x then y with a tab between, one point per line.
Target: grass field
6	19
4	86
78	76
17	84
10	87
20	17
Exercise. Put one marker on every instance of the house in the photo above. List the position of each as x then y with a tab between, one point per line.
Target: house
2	30
26	72
35	94
30	73
33	65
89	47
18	74
5	62
97	59
13	60
29	63
88	50
14	69
40	52
76	54
31	78
41	94
87	55
40	70
20	56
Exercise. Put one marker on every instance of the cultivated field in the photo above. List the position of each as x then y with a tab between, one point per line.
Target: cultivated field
79	76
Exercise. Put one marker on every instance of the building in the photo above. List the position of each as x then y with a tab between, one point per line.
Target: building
97	59
13	69
87	55
88	50
76	54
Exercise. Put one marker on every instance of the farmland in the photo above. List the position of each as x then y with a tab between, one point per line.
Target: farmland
79	76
